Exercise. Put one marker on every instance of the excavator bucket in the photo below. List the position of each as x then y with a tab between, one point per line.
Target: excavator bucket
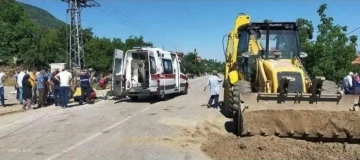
331	117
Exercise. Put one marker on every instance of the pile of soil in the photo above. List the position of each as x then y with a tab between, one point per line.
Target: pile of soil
304	121
222	147
10	72
329	87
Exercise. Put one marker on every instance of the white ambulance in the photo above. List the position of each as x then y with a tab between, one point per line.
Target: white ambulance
147	71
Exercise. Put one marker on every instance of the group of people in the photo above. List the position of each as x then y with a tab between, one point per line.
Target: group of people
34	87
351	83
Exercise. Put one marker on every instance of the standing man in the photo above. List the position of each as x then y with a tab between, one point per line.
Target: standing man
33	81
348	83
41	84
55	87
2	92
85	87
20	78
17	71
64	77
214	84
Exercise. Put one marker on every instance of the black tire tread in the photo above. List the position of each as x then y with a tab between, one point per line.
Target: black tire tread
239	88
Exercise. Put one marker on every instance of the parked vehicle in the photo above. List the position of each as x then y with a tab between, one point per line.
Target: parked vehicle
147	71
103	82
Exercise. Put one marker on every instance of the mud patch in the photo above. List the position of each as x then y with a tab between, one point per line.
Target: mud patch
311	122
187	138
219	147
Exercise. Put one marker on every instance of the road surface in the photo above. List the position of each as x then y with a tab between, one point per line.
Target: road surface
110	129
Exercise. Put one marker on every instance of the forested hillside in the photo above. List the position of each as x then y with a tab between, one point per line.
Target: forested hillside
41	17
33	37
25	41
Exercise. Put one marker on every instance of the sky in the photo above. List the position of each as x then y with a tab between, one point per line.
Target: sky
183	25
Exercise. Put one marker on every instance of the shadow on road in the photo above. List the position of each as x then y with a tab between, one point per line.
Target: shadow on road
10	104
150	100
229	127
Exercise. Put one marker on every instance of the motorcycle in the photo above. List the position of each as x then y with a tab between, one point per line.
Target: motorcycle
102	83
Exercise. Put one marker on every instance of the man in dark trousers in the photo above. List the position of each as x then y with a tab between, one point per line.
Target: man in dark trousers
41	86
85	87
214	84
55	87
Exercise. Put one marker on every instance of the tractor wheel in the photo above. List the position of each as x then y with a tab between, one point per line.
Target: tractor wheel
238	122
226	111
239	88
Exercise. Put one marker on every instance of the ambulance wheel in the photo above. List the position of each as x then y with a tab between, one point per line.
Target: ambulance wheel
134	98
186	89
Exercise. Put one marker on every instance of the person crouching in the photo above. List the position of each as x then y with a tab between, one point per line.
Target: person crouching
85	87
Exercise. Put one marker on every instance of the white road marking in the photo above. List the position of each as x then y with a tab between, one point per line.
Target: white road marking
98	134
57	155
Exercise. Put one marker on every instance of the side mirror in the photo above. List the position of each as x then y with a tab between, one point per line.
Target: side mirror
303	55
310	33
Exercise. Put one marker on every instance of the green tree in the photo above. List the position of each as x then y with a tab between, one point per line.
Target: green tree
332	52
17	32
99	51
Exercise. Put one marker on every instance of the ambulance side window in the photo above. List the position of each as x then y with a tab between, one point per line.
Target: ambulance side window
167	64
152	65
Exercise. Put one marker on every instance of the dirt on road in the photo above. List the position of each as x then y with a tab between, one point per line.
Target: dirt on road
219	145
222	147
300	122
228	146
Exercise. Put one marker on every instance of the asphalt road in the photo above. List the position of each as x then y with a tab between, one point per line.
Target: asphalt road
113	130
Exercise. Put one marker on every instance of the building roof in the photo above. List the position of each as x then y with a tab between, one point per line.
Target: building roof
357	60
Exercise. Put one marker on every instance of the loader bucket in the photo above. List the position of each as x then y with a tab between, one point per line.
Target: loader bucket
324	118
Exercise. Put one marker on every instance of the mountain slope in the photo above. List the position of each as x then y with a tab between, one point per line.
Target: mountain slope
41	17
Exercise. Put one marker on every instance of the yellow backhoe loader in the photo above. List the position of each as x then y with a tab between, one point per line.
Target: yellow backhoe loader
267	90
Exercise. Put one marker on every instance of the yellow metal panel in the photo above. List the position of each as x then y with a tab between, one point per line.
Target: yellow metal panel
233	77
232	48
287	66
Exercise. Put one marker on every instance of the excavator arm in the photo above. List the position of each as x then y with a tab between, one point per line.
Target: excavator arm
231	72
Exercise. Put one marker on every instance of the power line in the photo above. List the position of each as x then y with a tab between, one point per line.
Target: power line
123	17
107	13
127	21
353	31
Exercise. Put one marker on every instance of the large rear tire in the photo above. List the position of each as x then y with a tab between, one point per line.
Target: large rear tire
240	87
238	123
227	112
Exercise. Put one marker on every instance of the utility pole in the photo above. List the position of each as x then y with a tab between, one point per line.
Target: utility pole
76	51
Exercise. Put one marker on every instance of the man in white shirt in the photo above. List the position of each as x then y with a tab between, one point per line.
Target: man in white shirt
214	84
64	77
20	77
2	92
348	85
